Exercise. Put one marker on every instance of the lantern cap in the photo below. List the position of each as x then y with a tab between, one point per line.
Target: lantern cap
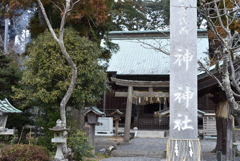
59	127
94	110
117	111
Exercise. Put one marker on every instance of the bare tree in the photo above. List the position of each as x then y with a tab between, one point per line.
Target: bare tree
223	21
59	39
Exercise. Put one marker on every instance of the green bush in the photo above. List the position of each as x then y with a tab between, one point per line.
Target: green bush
78	141
46	142
24	152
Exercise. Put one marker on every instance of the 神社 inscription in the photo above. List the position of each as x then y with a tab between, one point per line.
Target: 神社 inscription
183	57
182	123
183	95
183	142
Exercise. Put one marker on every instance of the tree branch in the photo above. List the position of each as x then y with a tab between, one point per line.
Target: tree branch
57	6
233	76
47	20
211	75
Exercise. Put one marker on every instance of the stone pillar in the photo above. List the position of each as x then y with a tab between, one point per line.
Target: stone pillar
128	115
183	141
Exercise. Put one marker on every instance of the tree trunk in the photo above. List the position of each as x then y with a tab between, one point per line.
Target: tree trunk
222	124
224	130
69	60
228	108
68	93
229	145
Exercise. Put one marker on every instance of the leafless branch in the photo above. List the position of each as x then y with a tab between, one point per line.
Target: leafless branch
47	21
57	6
233	76
235	94
73	4
160	47
211	74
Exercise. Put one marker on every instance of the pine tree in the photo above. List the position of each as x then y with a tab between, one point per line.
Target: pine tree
9	76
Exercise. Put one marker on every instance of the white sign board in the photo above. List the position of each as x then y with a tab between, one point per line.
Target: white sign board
106	129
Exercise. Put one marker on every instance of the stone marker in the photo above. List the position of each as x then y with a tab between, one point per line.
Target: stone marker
183	143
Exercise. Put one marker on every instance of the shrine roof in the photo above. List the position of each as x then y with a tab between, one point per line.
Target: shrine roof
94	110
117	111
167	111
136	57
6	107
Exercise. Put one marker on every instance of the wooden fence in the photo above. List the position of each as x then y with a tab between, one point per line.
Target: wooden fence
209	126
155	123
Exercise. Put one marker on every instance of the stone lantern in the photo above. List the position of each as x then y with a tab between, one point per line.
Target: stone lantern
59	139
92	116
116	116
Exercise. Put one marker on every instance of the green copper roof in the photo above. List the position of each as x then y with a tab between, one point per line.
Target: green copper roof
117	111
6	107
138	55
94	110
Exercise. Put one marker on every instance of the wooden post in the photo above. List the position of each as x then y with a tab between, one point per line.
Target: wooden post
136	111
128	115
116	125
229	138
92	135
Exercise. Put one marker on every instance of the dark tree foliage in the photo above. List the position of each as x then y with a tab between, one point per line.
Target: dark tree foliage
90	18
159	13
128	15
9	76
46	75
142	15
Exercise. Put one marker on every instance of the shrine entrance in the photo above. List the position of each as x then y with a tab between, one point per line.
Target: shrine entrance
149	117
146	101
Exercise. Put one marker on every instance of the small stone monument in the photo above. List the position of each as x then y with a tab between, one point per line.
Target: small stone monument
59	139
116	116
92	116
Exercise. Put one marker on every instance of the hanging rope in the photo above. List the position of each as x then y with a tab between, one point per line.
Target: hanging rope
149	100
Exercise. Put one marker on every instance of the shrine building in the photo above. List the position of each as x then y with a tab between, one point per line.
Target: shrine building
139	78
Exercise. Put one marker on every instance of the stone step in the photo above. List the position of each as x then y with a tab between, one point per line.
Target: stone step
149	134
133	153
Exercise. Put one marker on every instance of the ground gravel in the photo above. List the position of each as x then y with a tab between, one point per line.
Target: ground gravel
148	149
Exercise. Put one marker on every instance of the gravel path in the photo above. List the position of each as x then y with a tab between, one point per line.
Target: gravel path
149	149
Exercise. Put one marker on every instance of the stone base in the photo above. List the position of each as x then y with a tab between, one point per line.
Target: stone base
8	132
104	133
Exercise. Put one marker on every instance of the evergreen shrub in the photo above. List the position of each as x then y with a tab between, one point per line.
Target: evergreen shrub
78	142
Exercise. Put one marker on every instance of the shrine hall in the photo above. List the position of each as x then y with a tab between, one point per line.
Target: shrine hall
139	79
